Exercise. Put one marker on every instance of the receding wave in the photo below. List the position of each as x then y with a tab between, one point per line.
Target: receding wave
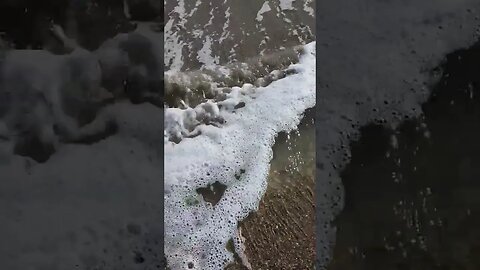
217	158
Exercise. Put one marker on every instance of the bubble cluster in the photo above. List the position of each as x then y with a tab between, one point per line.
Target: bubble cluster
234	155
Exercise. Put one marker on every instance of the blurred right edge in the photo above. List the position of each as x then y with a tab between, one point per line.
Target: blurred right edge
388	166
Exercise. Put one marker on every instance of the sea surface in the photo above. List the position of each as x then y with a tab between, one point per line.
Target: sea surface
237	75
383	167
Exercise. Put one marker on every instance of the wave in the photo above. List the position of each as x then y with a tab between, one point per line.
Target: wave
216	177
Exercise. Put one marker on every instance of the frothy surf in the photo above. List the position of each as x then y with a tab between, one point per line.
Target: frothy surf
222	149
194	87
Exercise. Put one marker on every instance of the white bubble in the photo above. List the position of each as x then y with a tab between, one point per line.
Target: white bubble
242	145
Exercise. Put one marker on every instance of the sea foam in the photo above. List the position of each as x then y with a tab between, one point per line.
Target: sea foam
235	153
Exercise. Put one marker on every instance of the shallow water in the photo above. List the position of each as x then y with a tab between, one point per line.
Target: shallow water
281	233
411	193
207	33
377	58
235	153
294	153
218	57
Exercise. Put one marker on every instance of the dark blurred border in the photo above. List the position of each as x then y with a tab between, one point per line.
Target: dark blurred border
28	24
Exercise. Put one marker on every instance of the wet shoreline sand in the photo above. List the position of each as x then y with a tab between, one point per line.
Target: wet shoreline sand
413	204
281	233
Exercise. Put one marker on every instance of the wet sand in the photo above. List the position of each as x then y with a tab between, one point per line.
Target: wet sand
376	59
281	234
413	202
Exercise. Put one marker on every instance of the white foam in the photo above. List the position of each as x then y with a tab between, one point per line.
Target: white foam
225	32
286	4
205	55
172	42
307	7
198	233
263	9
173	48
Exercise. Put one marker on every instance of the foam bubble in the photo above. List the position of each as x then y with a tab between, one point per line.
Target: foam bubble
235	154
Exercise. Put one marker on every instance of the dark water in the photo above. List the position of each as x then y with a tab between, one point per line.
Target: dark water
295	152
412	194
375	64
232	30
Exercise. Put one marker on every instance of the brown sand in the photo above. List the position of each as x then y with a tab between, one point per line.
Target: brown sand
280	235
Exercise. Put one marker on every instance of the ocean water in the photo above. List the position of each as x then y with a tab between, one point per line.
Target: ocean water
204	34
411	195
235	153
377	63
237	74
